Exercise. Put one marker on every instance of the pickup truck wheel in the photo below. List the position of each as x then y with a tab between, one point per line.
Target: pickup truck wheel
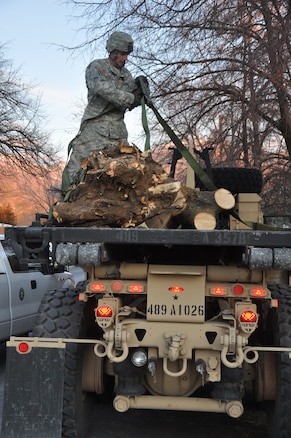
279	409
235	179
61	314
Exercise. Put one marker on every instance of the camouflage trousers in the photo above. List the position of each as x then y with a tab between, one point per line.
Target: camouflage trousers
88	140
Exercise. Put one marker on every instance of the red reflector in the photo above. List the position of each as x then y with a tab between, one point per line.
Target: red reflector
248	316
97	287
116	286
104	312
238	289
176	289
258	292
23	347
218	291
135	288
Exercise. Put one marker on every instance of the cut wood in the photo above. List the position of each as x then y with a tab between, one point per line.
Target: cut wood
204	221
208	203
224	199
125	187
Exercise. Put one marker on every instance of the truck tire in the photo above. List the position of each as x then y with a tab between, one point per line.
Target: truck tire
235	179
279	410
62	315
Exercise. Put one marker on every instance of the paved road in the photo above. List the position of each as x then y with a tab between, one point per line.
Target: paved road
153	424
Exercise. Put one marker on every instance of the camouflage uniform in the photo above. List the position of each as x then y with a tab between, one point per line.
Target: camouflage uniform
110	93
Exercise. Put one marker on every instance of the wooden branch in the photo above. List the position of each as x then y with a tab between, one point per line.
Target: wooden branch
126	188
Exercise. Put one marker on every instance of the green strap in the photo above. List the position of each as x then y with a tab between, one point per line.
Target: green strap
203	175
184	151
256	225
145	125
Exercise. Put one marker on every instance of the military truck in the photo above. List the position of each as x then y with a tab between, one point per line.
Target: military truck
171	319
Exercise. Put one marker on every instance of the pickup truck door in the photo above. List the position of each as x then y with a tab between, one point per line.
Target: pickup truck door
5	315
27	291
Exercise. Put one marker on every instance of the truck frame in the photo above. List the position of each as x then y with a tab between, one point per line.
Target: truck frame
176	319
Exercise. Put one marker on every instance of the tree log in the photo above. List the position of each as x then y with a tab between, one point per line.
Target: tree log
202	208
126	188
122	188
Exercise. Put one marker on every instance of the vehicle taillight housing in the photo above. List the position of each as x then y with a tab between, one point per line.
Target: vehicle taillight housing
104	315
135	288
97	287
218	291
104	312
116	286
248	320
258	292
176	289
23	347
238	289
248	316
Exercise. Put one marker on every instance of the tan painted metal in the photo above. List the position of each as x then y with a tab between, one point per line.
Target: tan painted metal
233	408
136	271
176	293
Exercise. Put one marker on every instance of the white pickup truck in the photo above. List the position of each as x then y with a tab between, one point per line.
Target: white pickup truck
21	291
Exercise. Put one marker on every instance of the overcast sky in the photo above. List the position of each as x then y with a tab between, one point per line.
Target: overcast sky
31	30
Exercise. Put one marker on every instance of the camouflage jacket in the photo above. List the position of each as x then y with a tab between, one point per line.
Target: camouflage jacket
110	93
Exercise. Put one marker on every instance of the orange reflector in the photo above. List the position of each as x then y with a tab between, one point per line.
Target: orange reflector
135	288
238	289
104	312
218	291
248	316
176	289
258	292
275	303
116	286
97	287
23	347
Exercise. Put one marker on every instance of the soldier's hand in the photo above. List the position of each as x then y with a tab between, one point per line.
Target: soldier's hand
143	84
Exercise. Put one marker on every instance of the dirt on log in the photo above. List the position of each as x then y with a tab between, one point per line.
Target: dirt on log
125	187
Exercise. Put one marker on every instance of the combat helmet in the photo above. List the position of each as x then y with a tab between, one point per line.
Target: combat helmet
120	41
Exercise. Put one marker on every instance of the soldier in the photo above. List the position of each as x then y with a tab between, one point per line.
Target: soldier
111	91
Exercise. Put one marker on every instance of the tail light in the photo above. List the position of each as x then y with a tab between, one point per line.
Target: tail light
104	312
23	347
258	292
135	288
238	289
248	320
116	286
97	287
248	316
176	289
104	315
218	291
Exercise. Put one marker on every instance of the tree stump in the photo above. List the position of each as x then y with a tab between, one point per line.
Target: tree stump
125	187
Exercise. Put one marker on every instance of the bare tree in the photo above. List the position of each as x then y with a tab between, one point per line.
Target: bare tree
22	140
219	72
204	56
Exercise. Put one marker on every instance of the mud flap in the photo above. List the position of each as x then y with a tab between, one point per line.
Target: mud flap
33	396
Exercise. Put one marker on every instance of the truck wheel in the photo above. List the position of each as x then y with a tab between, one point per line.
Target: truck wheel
235	179
62	315
279	409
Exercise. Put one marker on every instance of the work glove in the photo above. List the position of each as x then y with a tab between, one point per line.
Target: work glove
143	83
141	90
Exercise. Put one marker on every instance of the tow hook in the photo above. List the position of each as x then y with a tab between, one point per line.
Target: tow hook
239	352
110	347
175	345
